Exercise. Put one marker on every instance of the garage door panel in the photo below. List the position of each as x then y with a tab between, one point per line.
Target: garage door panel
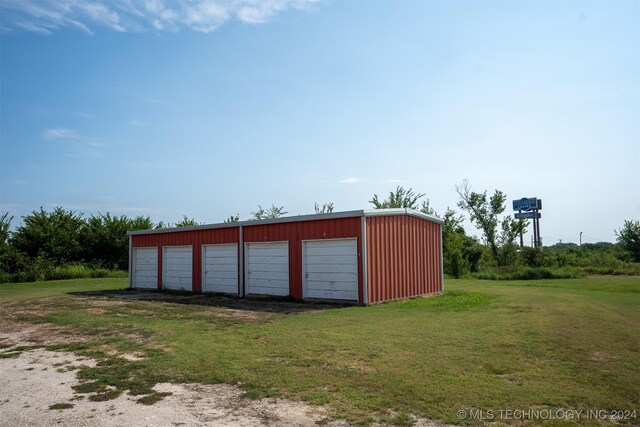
147	262
258	269
329	259
268	288
267	248
181	268
179	257
268	275
178	281
333	294
329	250
178	268
332	277
332	286
225	282
217	275
220	250
148	282
220	264
148	275
267	268
145	268
331	269
269	260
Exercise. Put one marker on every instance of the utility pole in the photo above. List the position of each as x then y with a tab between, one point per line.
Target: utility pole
581	238
535	233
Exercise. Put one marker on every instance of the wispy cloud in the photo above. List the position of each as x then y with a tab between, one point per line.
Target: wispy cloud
350	180
46	16
59	133
75	145
393	181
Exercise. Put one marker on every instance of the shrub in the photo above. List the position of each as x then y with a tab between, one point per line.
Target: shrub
529	273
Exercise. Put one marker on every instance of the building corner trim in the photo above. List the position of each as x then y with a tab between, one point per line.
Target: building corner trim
441	261
130	262
365	284
241	262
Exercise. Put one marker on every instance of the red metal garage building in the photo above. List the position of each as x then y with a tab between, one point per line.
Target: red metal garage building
363	256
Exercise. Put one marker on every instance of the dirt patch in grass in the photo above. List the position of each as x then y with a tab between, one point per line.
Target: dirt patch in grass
13	332
36	397
237	306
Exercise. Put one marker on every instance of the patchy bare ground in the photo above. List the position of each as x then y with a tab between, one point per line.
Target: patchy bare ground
249	306
37	385
36	388
38	382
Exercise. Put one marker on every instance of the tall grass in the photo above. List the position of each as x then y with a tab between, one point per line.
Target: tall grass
38	273
530	273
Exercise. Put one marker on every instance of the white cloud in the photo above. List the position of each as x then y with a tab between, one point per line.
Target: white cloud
350	180
46	16
59	133
393	181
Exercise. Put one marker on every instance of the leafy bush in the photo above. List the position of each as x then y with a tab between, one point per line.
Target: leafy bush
43	270
529	273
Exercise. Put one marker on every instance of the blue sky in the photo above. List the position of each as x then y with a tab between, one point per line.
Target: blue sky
208	108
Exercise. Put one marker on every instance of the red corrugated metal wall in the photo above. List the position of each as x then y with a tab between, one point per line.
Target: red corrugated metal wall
403	257
195	238
296	232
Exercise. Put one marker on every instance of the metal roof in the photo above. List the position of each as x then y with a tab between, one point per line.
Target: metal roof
311	217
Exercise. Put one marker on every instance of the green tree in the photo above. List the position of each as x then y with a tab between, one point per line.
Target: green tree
485	212
105	241
461	253
629	238
452	244
233	218
141	223
272	212
187	222
5	248
5	227
325	208
426	208
53	235
400	198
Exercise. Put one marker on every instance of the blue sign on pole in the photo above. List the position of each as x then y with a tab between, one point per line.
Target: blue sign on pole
528	215
525	204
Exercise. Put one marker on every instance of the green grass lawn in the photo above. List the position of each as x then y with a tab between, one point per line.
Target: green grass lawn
570	344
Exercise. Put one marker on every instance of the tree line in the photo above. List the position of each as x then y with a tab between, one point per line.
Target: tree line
47	241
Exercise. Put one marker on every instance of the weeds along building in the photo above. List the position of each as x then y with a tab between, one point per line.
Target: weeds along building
363	256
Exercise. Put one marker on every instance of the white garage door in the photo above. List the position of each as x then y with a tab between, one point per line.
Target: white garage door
145	268
267	268
330	269
220	268
177	267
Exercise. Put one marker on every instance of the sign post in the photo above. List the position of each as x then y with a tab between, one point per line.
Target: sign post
521	242
531	207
